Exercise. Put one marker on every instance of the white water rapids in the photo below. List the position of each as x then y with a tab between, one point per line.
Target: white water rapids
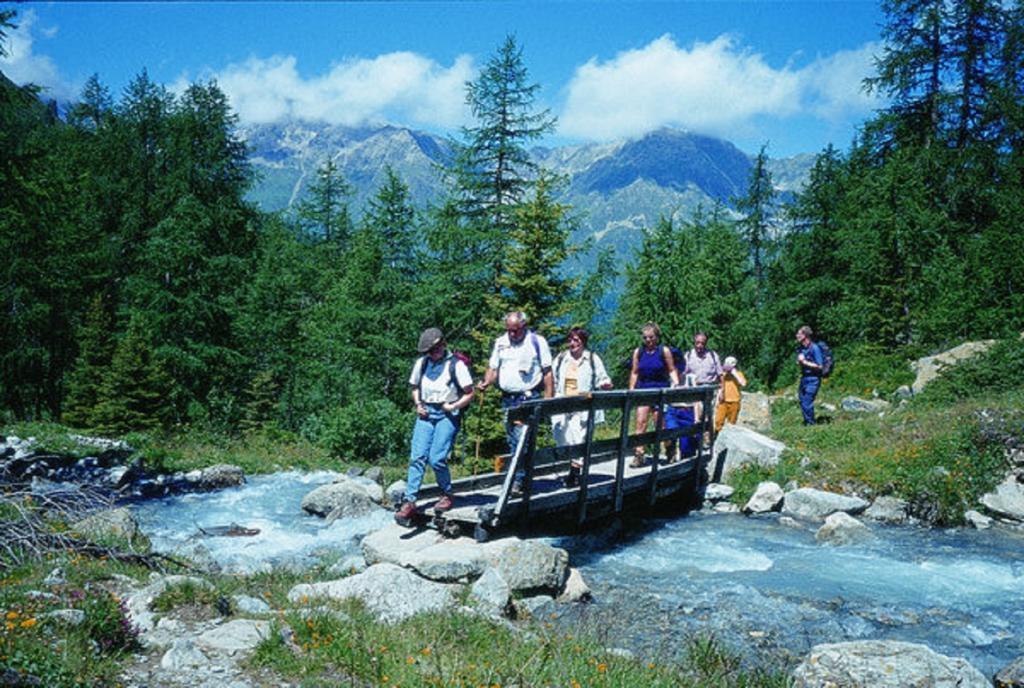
766	589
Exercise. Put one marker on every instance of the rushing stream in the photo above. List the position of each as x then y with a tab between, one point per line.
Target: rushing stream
766	589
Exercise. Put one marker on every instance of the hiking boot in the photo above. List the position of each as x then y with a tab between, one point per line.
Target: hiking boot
405	515
638	458
517	488
443	504
671	453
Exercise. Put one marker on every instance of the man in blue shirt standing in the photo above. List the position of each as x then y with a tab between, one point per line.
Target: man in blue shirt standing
810	360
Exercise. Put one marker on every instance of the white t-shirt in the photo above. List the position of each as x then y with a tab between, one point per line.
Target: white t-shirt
518	365
435	386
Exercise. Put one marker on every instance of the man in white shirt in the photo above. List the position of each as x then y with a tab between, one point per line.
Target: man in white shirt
521	365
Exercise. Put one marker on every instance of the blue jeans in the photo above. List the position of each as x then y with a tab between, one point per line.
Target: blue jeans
682	418
809	385
514	431
432	441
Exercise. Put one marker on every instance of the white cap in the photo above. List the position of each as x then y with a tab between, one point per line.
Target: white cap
730	362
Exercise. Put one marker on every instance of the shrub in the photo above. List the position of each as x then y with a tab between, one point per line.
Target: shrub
374	431
107	622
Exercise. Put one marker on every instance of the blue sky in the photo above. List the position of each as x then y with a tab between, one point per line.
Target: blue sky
755	71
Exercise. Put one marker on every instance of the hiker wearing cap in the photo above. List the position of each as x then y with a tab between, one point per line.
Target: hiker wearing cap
442	387
577	370
520	364
730	394
811	362
653	366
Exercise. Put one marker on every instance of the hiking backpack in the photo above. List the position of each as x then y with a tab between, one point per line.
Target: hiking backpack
453	359
827	360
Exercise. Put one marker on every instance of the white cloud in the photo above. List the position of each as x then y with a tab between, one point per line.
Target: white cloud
23	66
715	88
399	86
833	83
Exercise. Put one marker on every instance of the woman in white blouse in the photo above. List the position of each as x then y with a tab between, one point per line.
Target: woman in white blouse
577	370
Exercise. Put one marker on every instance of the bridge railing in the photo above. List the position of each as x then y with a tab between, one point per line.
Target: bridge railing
534	413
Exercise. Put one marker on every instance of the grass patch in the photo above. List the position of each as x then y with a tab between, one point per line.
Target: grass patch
457	649
51	648
932	451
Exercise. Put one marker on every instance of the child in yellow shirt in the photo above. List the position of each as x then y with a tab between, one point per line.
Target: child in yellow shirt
730	394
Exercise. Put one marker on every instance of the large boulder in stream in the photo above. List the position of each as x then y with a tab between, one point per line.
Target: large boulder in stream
220	476
737	446
390	593
1008	499
816	505
526	565
767	497
884	664
842	529
345	498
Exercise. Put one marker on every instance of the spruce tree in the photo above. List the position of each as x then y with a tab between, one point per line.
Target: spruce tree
323	213
134	394
95	353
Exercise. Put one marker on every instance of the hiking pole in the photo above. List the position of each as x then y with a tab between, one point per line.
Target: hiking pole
479	433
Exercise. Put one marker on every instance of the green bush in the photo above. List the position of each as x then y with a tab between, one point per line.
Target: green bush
375	431
107	622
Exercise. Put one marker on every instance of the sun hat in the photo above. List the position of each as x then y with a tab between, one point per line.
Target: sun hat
428	338
729	363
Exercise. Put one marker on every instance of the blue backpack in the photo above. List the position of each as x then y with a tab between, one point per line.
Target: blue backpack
827	359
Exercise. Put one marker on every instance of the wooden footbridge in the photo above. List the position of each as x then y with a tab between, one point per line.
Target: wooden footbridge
608	485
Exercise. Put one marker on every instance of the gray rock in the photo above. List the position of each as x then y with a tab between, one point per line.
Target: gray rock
789	522
858	405
718	492
68	617
183	655
726	508
393	543
737	446
930	367
431	556
904	392
372	487
1011	675
138	602
531	607
390	592
449	560
55	577
167	630
767	497
250	605
1007	500
576	589
978	520
491	592
816	505
118	522
375	474
396	492
888	510
884	664
238	635
842	529
528	566
350	498
355	563
220	476
755	412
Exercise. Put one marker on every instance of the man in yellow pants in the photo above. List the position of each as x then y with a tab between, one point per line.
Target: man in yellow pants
730	394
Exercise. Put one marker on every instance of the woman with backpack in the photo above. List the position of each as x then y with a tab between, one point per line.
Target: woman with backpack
442	387
577	370
653	367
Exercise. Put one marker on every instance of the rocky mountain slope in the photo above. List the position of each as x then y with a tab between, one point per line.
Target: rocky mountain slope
616	188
